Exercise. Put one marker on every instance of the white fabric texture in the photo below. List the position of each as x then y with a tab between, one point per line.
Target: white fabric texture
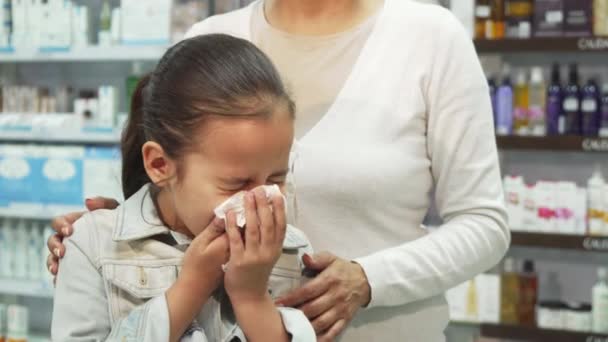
413	117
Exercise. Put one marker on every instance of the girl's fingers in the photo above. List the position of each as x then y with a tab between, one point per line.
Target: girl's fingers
280	218
252	228
266	219
234	236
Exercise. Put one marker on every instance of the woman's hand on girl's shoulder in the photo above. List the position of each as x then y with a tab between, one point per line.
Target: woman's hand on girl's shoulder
63	227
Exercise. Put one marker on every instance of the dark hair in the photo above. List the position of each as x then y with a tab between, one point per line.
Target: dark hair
206	75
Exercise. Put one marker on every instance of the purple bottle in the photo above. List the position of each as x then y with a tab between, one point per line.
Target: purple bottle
571	103
603	132
555	113
590	114
504	108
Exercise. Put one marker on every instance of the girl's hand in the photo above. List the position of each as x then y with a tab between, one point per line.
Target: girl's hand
201	274
250	264
252	260
206	254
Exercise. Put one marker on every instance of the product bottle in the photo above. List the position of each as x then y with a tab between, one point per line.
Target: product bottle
33	253
595	187
538	100
528	285
518	15
105	22
504	108
482	19
605	210
8	253
20	250
603	131
522	104
600	14
590	113
472	305
132	80
572	103
498	19
600	302
556	122
509	293
493	93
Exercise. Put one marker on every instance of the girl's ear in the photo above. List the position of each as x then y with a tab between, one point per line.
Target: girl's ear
159	167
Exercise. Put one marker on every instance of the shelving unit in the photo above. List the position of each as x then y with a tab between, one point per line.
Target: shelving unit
28	288
543	45
86	137
514	332
557	241
553	143
117	53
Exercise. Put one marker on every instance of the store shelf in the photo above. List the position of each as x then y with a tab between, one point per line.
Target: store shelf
86	54
558	241
522	333
553	143
89	137
543	45
26	288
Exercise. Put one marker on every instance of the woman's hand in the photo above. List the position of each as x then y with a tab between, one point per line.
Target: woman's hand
333	297
252	258
62	225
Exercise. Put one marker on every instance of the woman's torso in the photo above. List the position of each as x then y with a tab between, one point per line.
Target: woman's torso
363	174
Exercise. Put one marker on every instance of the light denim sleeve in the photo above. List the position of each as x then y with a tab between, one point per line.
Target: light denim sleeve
81	309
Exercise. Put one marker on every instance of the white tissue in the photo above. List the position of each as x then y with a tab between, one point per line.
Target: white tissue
236	204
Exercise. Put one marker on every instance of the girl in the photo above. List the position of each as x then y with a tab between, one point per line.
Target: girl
211	120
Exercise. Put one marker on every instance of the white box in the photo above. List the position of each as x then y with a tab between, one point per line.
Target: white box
146	22
488	297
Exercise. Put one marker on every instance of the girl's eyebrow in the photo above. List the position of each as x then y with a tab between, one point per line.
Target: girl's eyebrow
235	180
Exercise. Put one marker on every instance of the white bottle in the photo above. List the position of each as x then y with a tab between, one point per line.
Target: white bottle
3	250
538	98
33	252
595	187
605	210
600	302
20	250
7	246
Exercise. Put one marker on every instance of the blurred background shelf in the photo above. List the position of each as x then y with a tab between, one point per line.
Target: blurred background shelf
26	288
553	143
543	45
557	241
84	136
514	332
118	53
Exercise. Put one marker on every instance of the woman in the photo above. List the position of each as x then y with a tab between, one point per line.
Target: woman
392	107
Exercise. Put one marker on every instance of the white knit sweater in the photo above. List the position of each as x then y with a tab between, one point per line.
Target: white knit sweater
414	117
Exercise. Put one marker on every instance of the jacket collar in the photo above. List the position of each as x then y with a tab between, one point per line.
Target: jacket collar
138	218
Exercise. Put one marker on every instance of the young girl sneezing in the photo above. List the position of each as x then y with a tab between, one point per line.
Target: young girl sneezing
212	120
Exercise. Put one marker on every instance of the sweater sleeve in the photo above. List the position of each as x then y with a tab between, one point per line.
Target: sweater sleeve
468	188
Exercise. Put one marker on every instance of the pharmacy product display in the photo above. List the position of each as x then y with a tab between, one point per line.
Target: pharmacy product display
531	106
23	250
558	207
524	19
44	180
59	25
511	297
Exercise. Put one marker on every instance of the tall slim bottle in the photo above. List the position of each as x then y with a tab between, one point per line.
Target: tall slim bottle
538	99
572	99
556	121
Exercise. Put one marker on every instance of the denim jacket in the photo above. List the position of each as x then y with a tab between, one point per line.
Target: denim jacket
117	266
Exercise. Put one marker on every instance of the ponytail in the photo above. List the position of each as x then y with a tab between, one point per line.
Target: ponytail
134	174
